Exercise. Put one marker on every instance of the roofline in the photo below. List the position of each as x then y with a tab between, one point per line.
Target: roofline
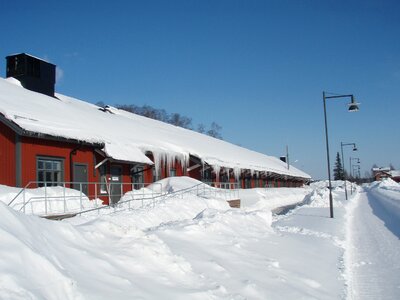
17	129
27	54
22	132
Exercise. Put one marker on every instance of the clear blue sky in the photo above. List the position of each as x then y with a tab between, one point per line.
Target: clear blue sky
257	68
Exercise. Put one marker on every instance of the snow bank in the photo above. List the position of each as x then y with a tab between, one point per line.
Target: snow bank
388	193
182	248
272	198
46	201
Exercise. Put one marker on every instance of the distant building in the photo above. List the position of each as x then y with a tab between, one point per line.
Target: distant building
382	173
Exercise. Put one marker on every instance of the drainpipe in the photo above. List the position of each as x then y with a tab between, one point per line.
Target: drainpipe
71	163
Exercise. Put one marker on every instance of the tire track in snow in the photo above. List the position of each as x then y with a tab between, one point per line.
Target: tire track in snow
373	258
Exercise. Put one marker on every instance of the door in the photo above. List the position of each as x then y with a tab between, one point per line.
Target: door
81	178
115	184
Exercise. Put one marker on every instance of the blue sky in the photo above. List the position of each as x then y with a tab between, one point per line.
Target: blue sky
257	68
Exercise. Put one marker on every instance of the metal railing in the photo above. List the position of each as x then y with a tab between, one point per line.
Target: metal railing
222	190
43	198
46	199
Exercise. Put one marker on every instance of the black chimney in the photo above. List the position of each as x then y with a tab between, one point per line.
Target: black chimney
34	73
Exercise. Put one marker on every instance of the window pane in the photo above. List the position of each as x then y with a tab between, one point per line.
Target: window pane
48	177
103	187
57	165
40	176
57	176
40	164
48	165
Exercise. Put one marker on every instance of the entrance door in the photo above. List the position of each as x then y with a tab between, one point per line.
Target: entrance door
80	178
115	184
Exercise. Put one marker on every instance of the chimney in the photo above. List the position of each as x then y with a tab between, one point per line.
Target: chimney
34	73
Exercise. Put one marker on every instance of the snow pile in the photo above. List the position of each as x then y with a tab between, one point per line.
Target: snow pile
388	192
46	201
173	184
272	198
163	211
184	247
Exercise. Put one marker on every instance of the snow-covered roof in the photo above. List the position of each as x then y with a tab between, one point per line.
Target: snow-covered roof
395	173
381	169
126	136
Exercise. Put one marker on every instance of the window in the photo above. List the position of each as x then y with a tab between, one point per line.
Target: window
103	179
172	172
50	171
247	182
224	181
138	177
155	176
207	176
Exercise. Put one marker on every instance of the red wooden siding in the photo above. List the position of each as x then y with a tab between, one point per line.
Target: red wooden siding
7	156
33	147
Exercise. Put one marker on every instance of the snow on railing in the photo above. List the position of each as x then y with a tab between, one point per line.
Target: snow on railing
44	198
61	198
222	190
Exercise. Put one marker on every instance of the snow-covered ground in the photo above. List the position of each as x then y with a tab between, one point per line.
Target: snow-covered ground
196	247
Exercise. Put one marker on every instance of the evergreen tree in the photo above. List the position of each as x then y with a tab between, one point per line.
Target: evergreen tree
338	173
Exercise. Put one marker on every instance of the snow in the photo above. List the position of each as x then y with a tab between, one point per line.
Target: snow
374	242
127	136
46	200
191	247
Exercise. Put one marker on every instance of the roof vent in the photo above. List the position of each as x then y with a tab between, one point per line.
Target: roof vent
34	73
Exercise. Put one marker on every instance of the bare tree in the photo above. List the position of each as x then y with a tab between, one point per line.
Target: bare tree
174	118
181	121
201	128
214	131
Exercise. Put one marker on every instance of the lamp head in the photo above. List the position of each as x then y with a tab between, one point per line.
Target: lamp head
353	105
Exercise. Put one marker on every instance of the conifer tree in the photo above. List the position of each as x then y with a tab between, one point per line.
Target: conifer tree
338	173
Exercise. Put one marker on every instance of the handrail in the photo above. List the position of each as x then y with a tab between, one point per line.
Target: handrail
19	193
162	195
77	204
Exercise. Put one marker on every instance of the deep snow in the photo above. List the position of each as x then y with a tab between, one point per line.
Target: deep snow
191	247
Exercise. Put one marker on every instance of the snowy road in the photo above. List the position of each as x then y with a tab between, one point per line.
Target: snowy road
374	250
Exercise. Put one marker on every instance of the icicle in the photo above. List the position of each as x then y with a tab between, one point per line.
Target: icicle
184	161
157	163
236	172
217	170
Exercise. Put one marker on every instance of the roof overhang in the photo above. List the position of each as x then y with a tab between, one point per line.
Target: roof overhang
22	132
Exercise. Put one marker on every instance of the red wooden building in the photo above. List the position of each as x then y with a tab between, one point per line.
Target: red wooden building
48	138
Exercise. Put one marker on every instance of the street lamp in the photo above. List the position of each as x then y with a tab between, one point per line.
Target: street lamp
351	169
353	106
344	169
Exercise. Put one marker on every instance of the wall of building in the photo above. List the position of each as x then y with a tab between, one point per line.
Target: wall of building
32	148
7	156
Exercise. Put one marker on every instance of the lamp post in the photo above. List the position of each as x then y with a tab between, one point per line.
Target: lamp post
353	106
344	169
352	171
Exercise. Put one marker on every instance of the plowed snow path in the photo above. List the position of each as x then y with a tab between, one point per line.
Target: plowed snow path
374	250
